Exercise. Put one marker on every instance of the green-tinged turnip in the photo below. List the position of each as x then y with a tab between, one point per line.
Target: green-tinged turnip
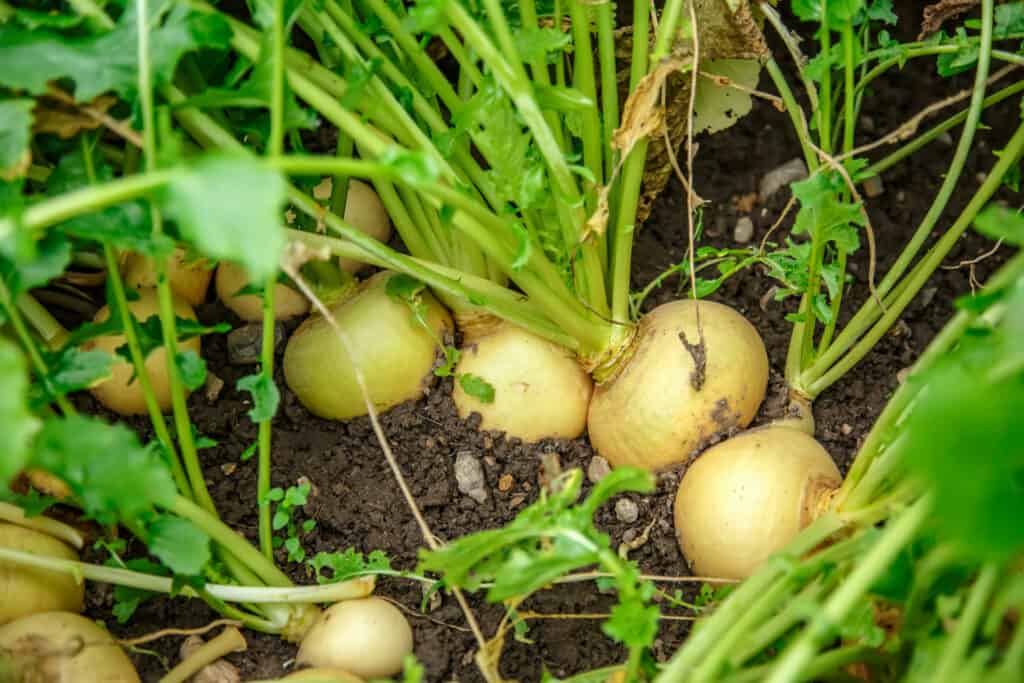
189	278
63	647
365	212
28	590
231	279
748	496
369	637
540	390
677	387
323	675
394	350
121	392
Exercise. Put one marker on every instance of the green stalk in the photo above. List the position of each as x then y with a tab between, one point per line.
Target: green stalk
539	67
954	652
835	305
817	668
849	96
920	274
51	332
825	106
609	84
583	80
795	113
899	532
870	310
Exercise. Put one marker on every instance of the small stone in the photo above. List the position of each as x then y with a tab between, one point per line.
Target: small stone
927	296
228	468
245	343
776	179
873	186
428	443
550	469
506	483
598	469
867	124
516	501
490	461
981	177
744	230
469	476
626	510
629	535
846	429
945	138
213	386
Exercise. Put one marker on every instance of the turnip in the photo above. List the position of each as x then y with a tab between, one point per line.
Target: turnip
231	279
26	590
61	646
678	385
747	497
121	392
369	637
540	390
324	675
366	213
394	349
189	278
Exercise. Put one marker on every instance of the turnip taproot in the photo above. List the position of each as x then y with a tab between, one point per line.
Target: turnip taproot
365	212
678	385
369	637
394	350
189	278
27	590
122	393
748	496
231	279
540	390
61	646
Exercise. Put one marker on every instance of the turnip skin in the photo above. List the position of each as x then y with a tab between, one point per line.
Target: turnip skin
120	392
61	646
540	390
652	413
189	279
369	637
288	303
747	497
28	590
393	350
324	675
366	213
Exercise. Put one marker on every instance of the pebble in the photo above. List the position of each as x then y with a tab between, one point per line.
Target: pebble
873	186
867	124
598	469
846	429
213	386
776	179
550	469
626	510
506	483
945	138
469	476
744	230
516	501
245	343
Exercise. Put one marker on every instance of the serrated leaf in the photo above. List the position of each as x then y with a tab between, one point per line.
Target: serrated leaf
34	263
1001	223
346	564
192	369
17	424
15	135
477	387
1008	19
265	396
632	623
72	369
182	546
107	61
128	599
230	208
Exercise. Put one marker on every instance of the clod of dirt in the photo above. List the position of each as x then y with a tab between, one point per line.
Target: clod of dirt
873	187
744	230
598	469
781	176
626	511
246	342
469	476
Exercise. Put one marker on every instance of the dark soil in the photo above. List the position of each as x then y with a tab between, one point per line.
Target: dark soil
356	502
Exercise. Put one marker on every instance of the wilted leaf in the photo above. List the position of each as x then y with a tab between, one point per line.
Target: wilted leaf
65	120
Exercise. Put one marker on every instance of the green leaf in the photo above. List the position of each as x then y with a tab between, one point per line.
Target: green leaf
192	369
72	369
15	135
265	396
535	43
17	424
37	263
1001	223
477	387
248	452
128	599
633	623
107	61
1008	19
182	546
230	208
881	10
414	168
525	249
347	564
99	463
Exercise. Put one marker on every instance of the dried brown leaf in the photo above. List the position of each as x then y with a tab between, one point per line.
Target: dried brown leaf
643	115
68	120
935	15
598	222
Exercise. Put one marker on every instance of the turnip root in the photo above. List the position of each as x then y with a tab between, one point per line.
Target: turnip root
540	390
676	389
288	303
28	590
189	279
392	348
320	675
61	646
121	393
366	213
369	637
747	497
